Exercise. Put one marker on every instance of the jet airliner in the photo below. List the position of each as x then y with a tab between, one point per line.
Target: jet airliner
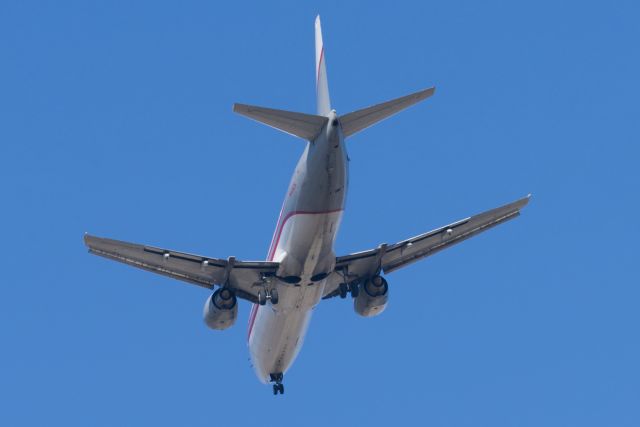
302	268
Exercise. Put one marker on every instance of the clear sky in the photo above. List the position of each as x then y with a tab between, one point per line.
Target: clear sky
115	118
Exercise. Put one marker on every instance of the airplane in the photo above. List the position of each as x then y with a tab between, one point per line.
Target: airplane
302	268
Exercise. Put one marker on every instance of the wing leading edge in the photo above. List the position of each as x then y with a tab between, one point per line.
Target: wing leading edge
388	258
245	277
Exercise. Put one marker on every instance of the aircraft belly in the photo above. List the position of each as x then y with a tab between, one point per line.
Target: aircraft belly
307	244
303	245
279	333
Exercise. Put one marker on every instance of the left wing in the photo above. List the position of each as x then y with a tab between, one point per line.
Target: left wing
245	277
388	258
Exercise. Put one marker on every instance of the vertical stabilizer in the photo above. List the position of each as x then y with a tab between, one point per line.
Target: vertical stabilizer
322	86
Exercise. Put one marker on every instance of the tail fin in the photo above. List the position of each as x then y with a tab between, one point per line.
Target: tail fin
356	121
322	85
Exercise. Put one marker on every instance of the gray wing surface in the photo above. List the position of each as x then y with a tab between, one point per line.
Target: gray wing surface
389	258
245	277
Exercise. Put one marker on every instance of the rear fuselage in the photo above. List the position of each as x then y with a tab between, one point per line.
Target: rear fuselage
303	245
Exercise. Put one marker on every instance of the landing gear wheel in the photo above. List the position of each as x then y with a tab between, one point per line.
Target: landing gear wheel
354	289
343	289
274	296
262	298
278	387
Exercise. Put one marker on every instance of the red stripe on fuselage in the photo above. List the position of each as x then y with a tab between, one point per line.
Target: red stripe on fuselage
274	245
252	319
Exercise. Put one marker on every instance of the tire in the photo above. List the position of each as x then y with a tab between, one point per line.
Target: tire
274	296
343	289
355	290
262	298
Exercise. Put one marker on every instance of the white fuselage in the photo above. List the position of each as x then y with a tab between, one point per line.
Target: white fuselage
303	245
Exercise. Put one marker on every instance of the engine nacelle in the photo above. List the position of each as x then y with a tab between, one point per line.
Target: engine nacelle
372	298
221	309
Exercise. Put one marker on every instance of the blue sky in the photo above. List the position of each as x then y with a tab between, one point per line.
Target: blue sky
115	118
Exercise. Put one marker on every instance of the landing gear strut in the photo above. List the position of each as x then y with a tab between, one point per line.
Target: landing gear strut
346	288
278	387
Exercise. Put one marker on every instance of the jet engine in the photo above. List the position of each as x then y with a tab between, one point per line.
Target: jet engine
372	298
221	309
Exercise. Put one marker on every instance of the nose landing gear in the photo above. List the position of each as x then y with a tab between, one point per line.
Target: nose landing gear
278	387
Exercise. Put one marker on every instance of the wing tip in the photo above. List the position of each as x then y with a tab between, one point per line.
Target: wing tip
521	203
428	92
90	241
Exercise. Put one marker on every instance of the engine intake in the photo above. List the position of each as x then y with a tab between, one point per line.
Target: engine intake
221	309
373	300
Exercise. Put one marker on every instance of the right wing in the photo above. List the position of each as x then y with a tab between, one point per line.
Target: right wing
388	258
245	277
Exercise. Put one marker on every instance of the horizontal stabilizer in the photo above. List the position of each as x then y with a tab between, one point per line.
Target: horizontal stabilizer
305	126
358	120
